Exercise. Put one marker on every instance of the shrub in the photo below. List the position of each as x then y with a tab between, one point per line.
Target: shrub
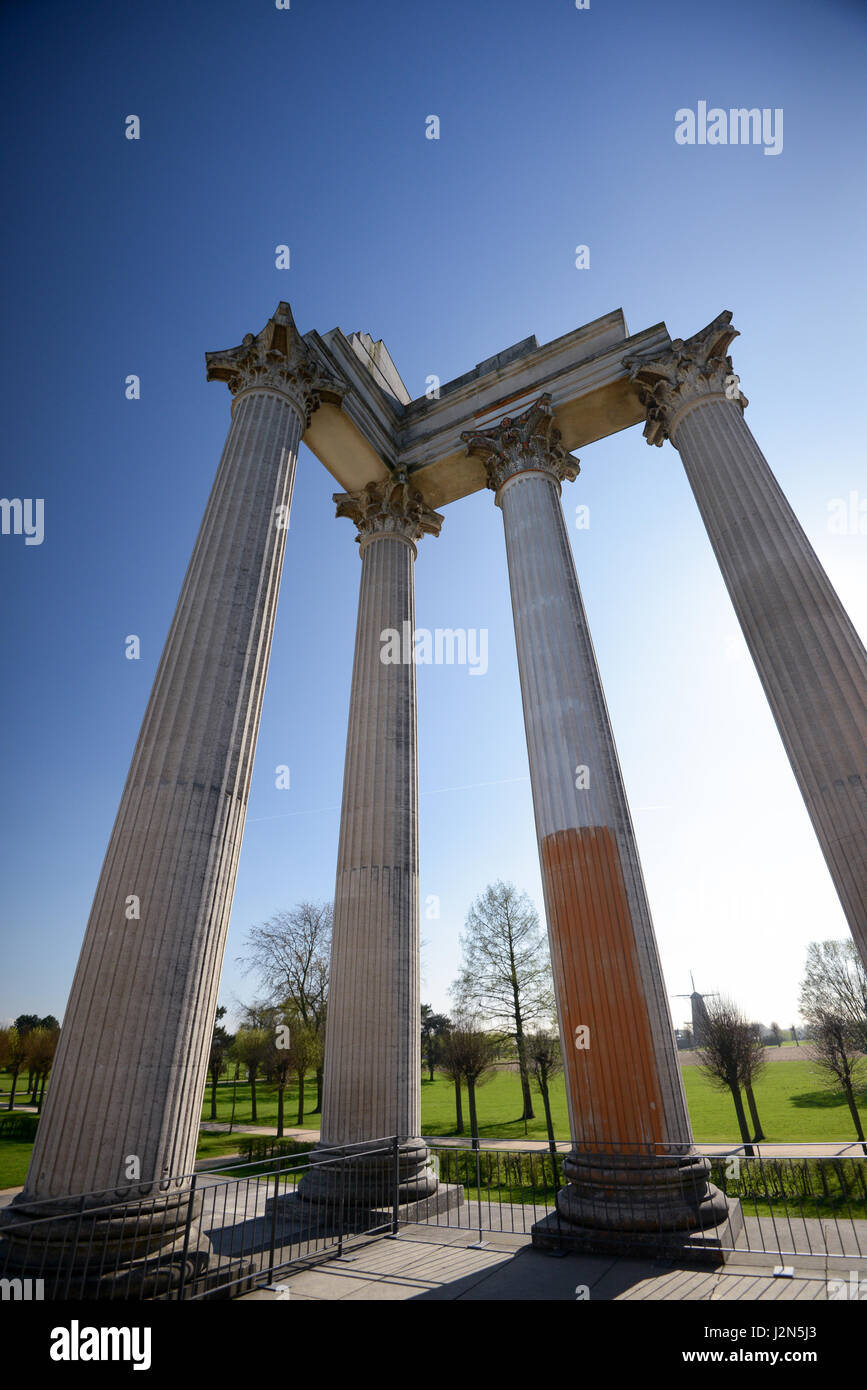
14	1126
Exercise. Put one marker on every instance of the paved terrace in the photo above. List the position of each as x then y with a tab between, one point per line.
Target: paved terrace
443	1258
427	1264
446	1262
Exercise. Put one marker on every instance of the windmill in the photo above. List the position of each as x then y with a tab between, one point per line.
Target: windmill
699	1010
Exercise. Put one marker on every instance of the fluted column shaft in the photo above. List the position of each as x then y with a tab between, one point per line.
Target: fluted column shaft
131	1066
633	1169
625	1085
373	1048
372	1086
810	660
622	1078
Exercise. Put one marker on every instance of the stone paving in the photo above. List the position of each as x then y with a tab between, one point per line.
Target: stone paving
424	1264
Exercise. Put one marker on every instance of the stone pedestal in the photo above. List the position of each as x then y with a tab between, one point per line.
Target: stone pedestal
623	1080
372	1086
708	1234
122	1116
810	660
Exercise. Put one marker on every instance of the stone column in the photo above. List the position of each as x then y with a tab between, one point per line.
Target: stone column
632	1168
372	1085
809	657
123	1111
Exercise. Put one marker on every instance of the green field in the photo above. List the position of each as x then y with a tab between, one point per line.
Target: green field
791	1103
14	1158
793	1107
266	1104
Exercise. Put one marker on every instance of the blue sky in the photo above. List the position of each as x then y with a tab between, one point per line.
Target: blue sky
307	127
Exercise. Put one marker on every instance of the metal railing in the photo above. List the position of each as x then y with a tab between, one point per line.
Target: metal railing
228	1231
812	1207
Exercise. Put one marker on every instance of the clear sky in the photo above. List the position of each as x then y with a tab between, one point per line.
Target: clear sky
306	126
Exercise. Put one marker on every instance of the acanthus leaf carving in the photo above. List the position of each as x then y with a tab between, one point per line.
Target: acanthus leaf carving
277	359
529	442
689	371
389	507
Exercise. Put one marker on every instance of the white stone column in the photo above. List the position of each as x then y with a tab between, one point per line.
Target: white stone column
626	1100
809	657
372	1074
127	1084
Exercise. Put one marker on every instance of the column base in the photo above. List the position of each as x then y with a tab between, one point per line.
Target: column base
124	1251
367	1177
641	1204
447	1197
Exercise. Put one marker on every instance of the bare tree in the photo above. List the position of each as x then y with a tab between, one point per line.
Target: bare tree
433	1029
451	1063
41	1045
291	955
15	1049
752	1064
835	984
25	1024
835	1049
545	1061
221	1041
472	1053
726	1036
505	974
302	1051
253	1047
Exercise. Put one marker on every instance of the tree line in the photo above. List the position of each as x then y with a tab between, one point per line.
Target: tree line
833	1003
282	1034
504	1006
28	1046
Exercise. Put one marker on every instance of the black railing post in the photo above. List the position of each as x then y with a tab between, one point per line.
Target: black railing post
273	1225
395	1224
75	1244
190	1204
479	1244
341	1214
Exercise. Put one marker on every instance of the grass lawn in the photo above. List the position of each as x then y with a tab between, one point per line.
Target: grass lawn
212	1145
266	1104
14	1158
791	1102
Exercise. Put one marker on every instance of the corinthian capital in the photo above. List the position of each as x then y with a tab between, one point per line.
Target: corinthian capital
528	443
389	508
688	372
277	359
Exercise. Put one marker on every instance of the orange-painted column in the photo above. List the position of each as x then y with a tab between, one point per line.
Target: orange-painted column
622	1074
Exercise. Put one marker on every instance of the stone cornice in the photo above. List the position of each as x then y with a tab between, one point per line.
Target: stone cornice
392	509
529	442
689	372
276	360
